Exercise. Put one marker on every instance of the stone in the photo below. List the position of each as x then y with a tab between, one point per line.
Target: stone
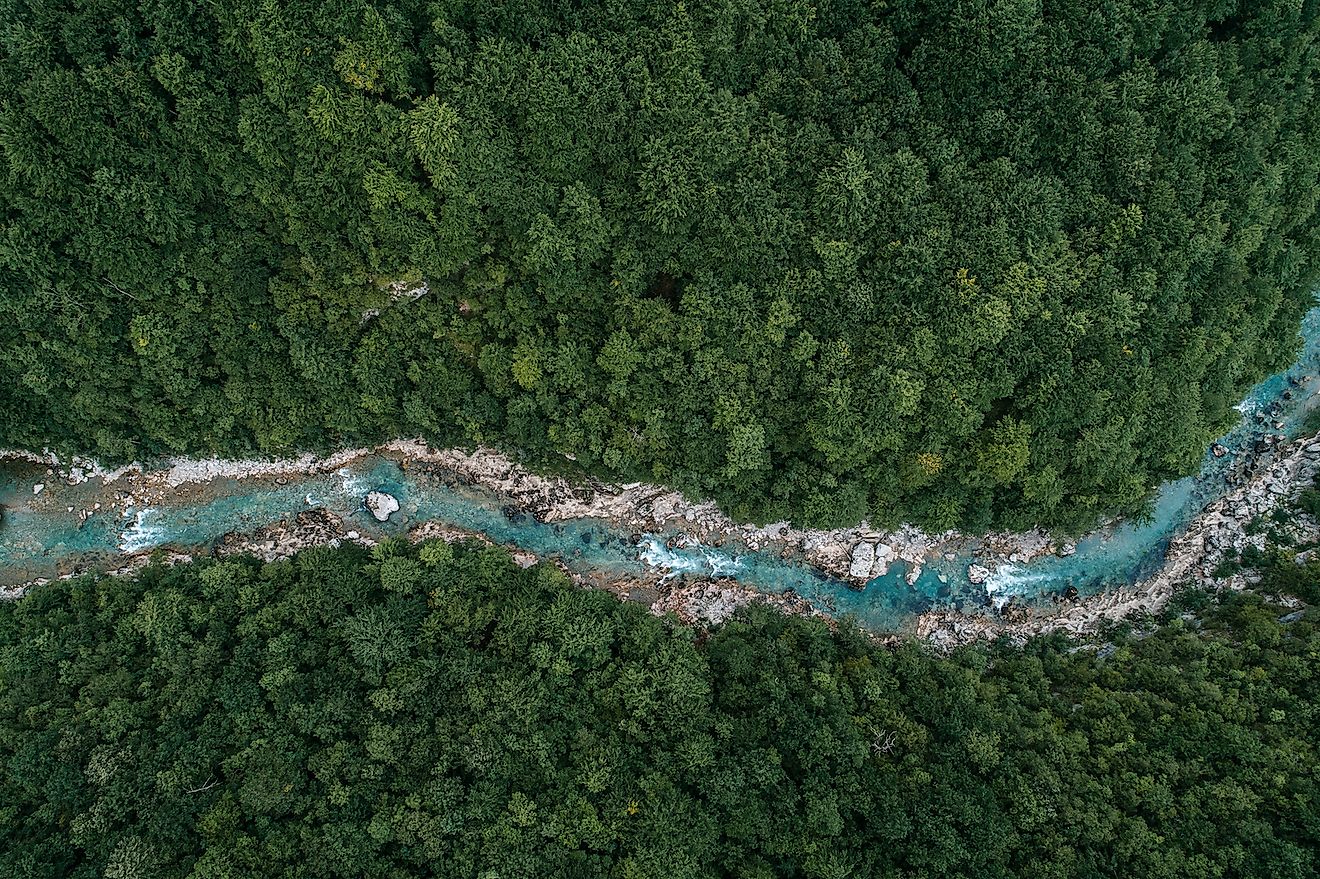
976	574
1066	549
38	488
863	557
884	555
1218	450
381	505
913	575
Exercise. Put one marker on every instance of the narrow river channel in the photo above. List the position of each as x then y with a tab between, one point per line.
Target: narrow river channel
42	536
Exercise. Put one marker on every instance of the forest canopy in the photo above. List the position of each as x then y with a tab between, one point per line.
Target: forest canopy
975	263
438	711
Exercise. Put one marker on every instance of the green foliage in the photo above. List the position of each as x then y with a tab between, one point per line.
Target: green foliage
441	712
991	264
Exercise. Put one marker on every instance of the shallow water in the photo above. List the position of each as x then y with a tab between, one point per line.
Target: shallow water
39	537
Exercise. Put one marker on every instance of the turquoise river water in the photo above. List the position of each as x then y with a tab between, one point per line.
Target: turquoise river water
39	537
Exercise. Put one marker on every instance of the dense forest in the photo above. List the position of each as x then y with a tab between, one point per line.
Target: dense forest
976	263
441	712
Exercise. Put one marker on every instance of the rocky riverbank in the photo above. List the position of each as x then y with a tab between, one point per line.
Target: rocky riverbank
1266	474
1270	480
855	555
700	602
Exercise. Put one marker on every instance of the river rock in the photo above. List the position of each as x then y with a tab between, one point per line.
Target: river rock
38	488
381	505
976	574
1066	549
884	555
1219	450
913	575
863	557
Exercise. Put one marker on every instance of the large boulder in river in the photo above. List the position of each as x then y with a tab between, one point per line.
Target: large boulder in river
863	557
976	574
381	505
884	554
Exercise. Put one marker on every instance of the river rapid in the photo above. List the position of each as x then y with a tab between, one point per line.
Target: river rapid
62	518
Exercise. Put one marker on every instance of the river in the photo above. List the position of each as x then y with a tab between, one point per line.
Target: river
42	534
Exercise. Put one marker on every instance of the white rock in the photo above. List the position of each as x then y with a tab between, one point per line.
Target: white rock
381	505
884	555
863	557
976	574
913	575
37	489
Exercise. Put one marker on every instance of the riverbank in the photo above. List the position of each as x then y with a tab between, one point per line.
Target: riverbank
855	555
1266	475
698	601
1194	559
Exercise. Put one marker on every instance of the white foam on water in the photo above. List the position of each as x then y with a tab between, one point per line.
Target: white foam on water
351	484
142	533
1009	581
717	564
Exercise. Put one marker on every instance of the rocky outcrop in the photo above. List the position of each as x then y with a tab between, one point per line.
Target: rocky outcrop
381	505
884	556
711	602
863	560
309	528
1194	555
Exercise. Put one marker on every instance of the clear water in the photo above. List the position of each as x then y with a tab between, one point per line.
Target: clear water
38	537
